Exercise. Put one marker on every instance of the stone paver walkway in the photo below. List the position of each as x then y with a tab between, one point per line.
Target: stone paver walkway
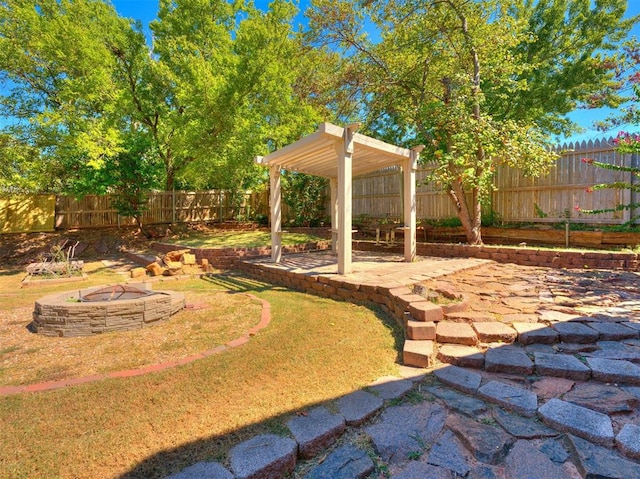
542	382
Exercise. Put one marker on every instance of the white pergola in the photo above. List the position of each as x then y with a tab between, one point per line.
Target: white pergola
339	154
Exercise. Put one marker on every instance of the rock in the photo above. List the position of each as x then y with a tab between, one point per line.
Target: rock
633	390
508	360
573	348
561	365
462	403
522	427
468	316
596	462
154	269
421	330
488	444
456	333
138	272
628	440
447	290
420	354
266	456
529	333
421	470
203	470
189	259
315	431
425	311
510	397
204	264
495	331
483	471
575	332
569	417
601	397
175	256
391	387
555	450
448	453
524	458
612	370
462	356
404	430
459	378
173	264
548	388
555	316
615	350
346	462
531	349
358	406
614	331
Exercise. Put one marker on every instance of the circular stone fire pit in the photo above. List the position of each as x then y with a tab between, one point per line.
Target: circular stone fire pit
103	309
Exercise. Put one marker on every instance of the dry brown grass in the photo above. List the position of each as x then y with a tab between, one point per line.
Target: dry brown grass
314	350
27	358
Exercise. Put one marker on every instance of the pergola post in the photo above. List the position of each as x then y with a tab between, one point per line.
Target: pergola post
333	186
345	164
409	182
276	213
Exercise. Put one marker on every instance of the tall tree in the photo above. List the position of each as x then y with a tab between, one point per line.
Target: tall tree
452	74
221	82
60	92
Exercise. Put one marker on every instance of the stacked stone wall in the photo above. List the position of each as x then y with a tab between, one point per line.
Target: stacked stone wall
228	258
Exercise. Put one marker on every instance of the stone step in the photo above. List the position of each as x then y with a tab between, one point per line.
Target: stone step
456	333
419	354
421	330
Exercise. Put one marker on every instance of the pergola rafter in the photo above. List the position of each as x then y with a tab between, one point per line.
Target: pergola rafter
339	154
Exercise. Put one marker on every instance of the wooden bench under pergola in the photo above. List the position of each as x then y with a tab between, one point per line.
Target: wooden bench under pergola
339	154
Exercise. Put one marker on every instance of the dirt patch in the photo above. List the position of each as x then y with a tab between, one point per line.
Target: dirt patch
20	249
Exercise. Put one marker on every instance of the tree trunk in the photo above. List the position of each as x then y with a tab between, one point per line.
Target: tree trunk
471	219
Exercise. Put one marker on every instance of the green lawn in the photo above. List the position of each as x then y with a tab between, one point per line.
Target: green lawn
314	351
241	239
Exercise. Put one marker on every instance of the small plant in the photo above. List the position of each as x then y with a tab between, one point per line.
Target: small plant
489	421
539	212
414	455
626	143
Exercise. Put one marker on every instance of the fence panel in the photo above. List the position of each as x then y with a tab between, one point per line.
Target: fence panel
25	213
96	211
554	197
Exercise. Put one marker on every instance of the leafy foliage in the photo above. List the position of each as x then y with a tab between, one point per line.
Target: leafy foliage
221	83
428	79
626	143
305	195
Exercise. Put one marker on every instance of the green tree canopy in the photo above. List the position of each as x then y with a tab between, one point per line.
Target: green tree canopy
468	79
221	82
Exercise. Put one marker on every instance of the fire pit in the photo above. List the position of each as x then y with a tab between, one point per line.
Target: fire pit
103	309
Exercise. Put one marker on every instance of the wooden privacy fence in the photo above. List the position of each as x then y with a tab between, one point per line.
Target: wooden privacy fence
555	197
94	211
22	213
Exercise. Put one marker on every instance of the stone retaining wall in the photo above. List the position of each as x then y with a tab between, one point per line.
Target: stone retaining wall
401	303
227	258
395	299
526	256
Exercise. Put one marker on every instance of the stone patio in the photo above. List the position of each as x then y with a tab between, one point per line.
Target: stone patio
542	377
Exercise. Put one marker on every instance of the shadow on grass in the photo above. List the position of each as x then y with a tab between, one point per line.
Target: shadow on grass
238	283
215	448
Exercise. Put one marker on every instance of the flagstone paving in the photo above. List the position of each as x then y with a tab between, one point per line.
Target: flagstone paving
548	386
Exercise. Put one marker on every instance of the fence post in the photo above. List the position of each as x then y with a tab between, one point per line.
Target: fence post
173	205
